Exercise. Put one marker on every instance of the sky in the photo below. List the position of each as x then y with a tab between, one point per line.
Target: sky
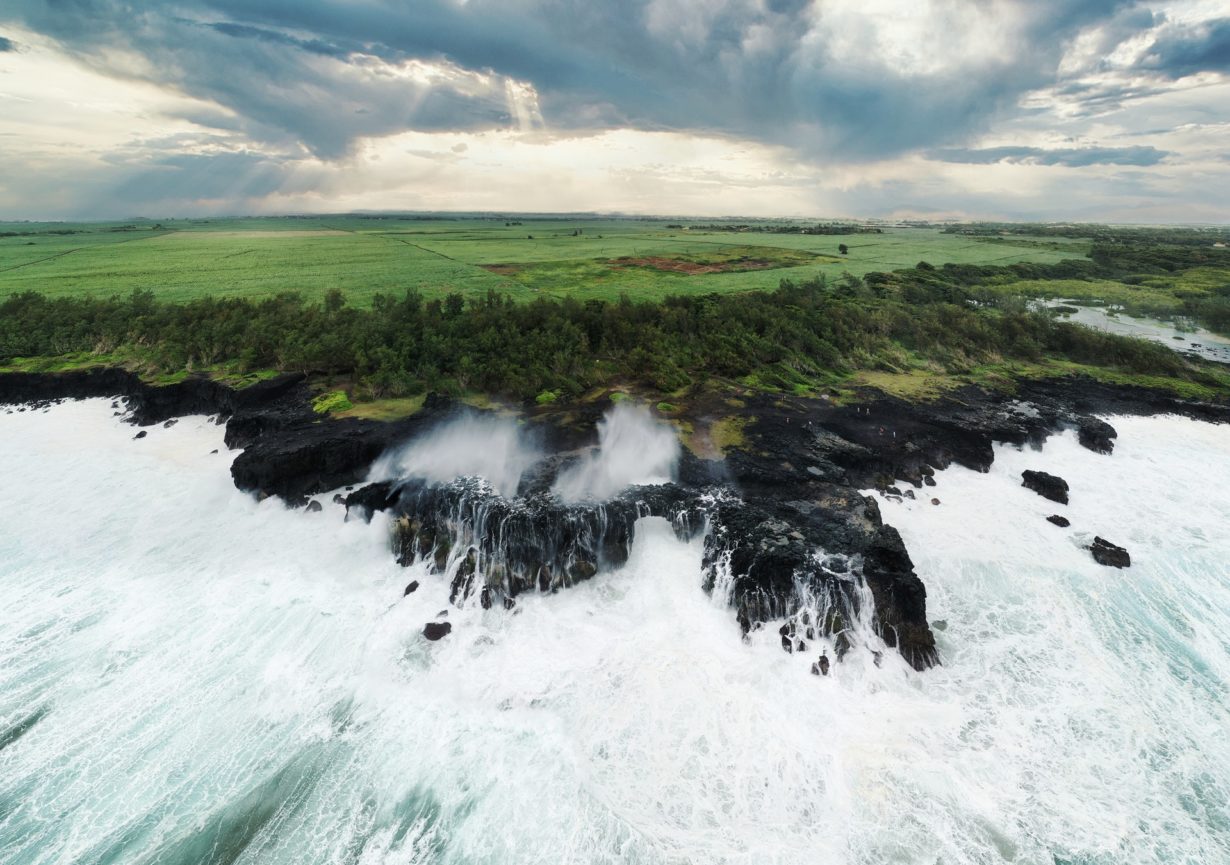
1090	110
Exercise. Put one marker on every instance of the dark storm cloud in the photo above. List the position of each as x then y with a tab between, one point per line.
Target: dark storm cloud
319	72
7	45
1072	157
1187	50
242	31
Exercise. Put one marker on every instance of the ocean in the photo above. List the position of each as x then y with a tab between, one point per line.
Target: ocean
190	676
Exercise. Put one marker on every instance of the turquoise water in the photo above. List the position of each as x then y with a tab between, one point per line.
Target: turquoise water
188	676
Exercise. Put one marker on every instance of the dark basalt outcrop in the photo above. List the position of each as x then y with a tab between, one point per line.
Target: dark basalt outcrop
1056	519
499	548
1106	553
763	523
147	404
1096	434
1048	486
291	452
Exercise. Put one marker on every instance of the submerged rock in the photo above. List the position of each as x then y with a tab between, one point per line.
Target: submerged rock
437	630
411	587
314	507
1106	553
142	434
1062	522
1096	434
1048	486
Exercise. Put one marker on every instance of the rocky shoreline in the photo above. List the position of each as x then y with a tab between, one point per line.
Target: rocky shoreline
791	489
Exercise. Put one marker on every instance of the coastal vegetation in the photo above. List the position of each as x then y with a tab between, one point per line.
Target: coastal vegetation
915	331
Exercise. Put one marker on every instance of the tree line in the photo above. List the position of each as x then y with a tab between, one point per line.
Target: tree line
402	345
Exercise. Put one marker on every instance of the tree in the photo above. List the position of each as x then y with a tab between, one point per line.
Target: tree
843	249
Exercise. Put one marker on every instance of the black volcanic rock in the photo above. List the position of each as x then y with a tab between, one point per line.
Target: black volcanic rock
1096	434
437	630
1048	486
379	496
1106	553
1056	519
309	455
900	596
541	543
147	403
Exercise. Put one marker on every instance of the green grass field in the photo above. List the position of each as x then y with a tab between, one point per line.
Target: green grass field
582	257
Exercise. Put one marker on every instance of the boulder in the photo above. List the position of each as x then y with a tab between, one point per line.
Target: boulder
1106	553
437	630
142	434
1096	434
314	507
411	588
1048	486
1062	522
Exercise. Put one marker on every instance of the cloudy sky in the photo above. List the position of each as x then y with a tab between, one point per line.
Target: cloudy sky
1047	109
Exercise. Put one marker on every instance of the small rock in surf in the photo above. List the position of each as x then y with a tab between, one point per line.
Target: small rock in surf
1096	435
1106	553
437	630
1046	485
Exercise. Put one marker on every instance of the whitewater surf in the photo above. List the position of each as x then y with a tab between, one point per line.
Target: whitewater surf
188	675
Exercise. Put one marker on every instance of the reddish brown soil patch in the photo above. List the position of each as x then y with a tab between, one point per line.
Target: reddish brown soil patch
692	268
503	269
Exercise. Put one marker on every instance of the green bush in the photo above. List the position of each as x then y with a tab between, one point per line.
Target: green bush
333	401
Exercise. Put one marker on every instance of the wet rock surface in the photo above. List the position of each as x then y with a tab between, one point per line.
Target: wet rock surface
1056	519
1048	486
437	630
147	404
1106	553
1096	434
